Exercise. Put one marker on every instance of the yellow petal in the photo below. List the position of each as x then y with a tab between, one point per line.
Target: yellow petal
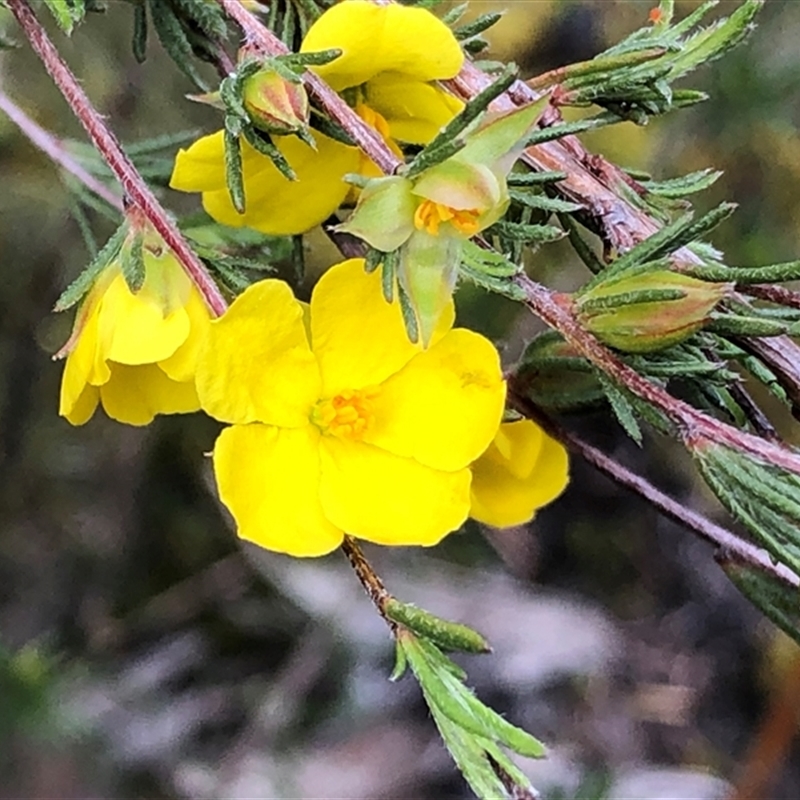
81	408
387	38
182	364
279	207
523	470
386	499
444	407
255	364
133	328
135	394
416	111
78	368
358	338
201	168
269	479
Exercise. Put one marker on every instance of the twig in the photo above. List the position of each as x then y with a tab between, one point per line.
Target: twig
107	145
775	294
54	149
370	579
697	523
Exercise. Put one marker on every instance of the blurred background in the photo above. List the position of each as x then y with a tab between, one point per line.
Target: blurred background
144	652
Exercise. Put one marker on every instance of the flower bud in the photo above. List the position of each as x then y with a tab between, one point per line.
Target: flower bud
275	104
649	311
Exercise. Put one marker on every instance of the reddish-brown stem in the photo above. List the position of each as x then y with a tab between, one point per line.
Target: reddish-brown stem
136	190
697	523
365	137
369	579
775	294
54	149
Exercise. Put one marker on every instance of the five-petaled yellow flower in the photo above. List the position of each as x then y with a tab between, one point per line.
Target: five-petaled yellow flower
339	424
135	353
390	55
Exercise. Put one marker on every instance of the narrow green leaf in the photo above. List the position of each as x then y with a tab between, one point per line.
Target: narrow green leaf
409	315
388	273
530	234
580	245
264	145
139	41
542	202
553	132
400	663
478	25
208	17
132	262
737	325
522	179
778	601
67	13
685	185
373	260
75	292
446	634
622	408
234	177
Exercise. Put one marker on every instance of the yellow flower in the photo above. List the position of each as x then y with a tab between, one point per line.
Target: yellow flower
339	423
522	470
390	55
135	353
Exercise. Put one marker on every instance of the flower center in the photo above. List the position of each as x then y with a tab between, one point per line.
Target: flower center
348	415
430	215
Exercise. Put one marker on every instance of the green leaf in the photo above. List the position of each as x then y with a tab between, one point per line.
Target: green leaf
530	234
132	262
263	144
542	202
685	185
139	38
777	600
388	274
478	25
234	177
622	408
75	292
764	497
562	129
445	634
174	40
409	314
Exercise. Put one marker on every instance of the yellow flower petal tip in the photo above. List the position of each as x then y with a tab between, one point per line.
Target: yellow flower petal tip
135	354
336	432
523	470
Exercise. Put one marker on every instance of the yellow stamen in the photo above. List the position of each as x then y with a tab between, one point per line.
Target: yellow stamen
348	415
430	215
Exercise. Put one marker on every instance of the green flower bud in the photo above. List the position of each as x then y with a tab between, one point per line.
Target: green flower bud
648	311
275	104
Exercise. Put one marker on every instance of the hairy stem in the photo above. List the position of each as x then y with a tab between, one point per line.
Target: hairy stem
370	579
137	192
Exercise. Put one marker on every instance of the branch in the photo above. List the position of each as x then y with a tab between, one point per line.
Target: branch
697	523
54	149
132	183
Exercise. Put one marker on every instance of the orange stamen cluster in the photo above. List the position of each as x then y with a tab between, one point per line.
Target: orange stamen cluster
348	415
430	215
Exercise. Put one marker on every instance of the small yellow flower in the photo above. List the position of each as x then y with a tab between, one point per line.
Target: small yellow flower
390	55
341	424
135	353
522	470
